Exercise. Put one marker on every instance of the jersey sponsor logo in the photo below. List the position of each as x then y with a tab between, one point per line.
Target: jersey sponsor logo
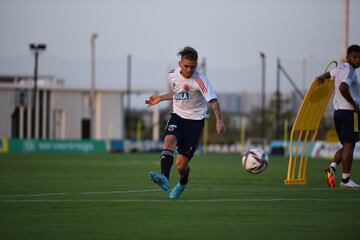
181	96
186	87
202	86
171	127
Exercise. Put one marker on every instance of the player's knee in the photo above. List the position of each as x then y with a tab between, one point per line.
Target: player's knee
170	142
181	165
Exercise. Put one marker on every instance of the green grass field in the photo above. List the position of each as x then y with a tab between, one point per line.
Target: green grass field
108	196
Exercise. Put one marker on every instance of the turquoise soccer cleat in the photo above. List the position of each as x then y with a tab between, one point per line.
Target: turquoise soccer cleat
160	180
177	191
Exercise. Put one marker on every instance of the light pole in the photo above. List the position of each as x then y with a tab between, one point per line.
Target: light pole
278	99
36	49
345	29
128	122
263	65
128	78
93	85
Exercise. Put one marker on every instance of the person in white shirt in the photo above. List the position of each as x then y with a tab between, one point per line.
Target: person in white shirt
191	93
347	105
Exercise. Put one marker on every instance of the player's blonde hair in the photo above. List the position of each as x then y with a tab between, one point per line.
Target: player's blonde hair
188	53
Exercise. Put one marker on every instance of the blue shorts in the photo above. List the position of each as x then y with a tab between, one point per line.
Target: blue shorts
187	132
347	125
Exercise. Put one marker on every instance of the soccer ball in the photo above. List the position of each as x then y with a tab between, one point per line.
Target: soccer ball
255	160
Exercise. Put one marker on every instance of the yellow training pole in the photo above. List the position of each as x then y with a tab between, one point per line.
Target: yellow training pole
138	134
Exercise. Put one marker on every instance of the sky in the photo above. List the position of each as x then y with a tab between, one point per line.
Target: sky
230	34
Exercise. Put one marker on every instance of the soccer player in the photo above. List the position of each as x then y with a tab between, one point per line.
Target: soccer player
346	119
190	92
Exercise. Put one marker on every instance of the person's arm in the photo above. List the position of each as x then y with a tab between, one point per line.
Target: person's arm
345	92
155	99
220	127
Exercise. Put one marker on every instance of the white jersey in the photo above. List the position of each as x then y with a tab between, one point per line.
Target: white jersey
345	73
190	96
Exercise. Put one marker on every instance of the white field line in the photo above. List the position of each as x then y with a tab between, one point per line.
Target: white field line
186	200
237	189
33	195
80	193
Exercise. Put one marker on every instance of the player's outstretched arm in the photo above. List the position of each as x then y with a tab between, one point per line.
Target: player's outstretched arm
155	99
220	126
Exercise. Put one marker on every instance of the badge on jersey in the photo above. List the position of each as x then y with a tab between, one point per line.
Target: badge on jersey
171	127
186	87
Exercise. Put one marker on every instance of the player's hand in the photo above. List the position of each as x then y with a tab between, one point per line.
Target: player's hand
155	99
220	127
321	80
323	76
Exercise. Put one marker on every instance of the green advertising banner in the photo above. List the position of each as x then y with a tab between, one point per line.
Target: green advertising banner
84	146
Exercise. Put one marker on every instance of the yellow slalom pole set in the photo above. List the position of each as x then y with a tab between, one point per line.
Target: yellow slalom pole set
306	126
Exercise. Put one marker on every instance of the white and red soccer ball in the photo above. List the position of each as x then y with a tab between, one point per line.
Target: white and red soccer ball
255	160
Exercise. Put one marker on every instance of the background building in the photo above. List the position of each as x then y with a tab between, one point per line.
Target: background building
61	113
